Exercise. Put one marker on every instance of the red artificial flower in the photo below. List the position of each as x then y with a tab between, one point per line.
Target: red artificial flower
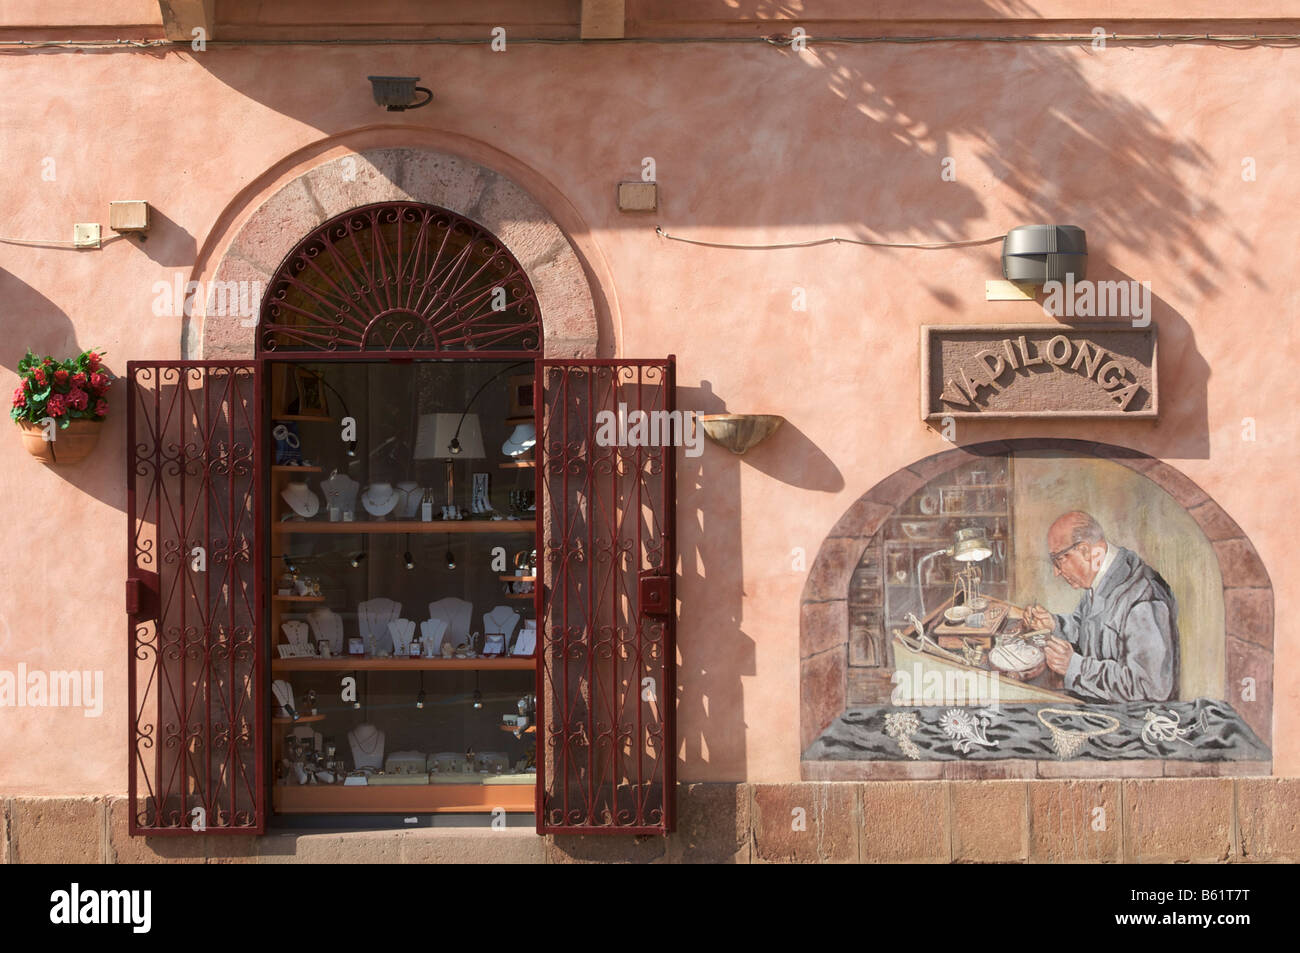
99	382
101	408
79	379
39	374
94	360
57	405
61	376
78	399
19	397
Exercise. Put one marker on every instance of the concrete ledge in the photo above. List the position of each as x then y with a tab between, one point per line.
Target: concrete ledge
1102	820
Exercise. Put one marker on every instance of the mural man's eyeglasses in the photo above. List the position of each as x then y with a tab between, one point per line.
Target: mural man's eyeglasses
1057	557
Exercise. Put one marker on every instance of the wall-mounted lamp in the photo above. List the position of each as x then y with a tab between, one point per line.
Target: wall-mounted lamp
397	93
1037	254
739	432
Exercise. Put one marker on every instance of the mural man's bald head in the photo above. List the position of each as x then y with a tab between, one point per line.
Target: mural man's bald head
1078	546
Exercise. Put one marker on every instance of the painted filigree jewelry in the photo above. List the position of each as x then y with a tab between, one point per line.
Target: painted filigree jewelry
966	729
1165	728
1066	741
901	725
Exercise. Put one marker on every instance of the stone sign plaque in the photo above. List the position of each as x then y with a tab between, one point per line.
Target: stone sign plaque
1038	370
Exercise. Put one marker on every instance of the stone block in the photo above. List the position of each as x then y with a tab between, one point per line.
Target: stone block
606	849
57	830
473	845
989	823
807	823
1268	819
832	570
1248	615
821	694
905	822
823	625
124	849
1178	820
1075	822
712	824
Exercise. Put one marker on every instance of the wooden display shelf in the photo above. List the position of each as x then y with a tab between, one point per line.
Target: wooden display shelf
298	598
403	798
530	730
518	465
519	595
300	417
517	579
510	663
281	468
302	720
393	527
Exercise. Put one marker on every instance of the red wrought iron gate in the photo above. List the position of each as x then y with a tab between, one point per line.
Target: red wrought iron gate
194	597
607	655
606	674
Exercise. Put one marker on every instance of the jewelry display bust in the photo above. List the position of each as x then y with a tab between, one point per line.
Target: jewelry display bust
400	631
456	613
431	634
283	693
373	617
295	632
367	744
301	499
340	495
327	625
410	493
380	499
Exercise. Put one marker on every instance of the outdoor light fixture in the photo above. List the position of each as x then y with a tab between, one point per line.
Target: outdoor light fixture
1037	254
397	93
739	432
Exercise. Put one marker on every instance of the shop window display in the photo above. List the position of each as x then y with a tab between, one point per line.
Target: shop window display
402	552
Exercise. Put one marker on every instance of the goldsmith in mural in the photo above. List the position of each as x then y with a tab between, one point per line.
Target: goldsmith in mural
1121	643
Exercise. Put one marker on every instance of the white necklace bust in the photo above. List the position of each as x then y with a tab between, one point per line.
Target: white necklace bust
380	499
301	499
367	744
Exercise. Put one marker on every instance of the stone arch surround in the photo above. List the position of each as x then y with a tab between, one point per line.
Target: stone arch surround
823	618
415	174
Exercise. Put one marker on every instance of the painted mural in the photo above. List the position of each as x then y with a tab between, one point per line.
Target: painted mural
1040	605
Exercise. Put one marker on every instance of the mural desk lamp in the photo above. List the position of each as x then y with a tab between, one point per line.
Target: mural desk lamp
970	545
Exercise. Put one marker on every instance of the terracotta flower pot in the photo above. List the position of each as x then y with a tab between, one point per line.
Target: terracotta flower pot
68	446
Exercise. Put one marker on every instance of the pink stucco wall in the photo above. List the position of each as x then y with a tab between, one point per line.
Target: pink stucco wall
1143	146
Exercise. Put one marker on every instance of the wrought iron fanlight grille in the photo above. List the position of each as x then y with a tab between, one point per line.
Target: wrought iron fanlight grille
400	276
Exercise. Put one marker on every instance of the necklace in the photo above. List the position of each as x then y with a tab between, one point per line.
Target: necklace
374	739
1068	742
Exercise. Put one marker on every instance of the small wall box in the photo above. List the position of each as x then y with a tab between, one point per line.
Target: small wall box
130	216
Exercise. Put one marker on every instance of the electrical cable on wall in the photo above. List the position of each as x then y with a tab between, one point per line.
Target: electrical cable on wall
834	239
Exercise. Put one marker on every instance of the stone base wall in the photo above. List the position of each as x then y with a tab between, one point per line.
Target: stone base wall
1156	820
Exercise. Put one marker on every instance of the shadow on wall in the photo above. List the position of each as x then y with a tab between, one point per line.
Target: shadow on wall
1060	147
45	329
710	552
